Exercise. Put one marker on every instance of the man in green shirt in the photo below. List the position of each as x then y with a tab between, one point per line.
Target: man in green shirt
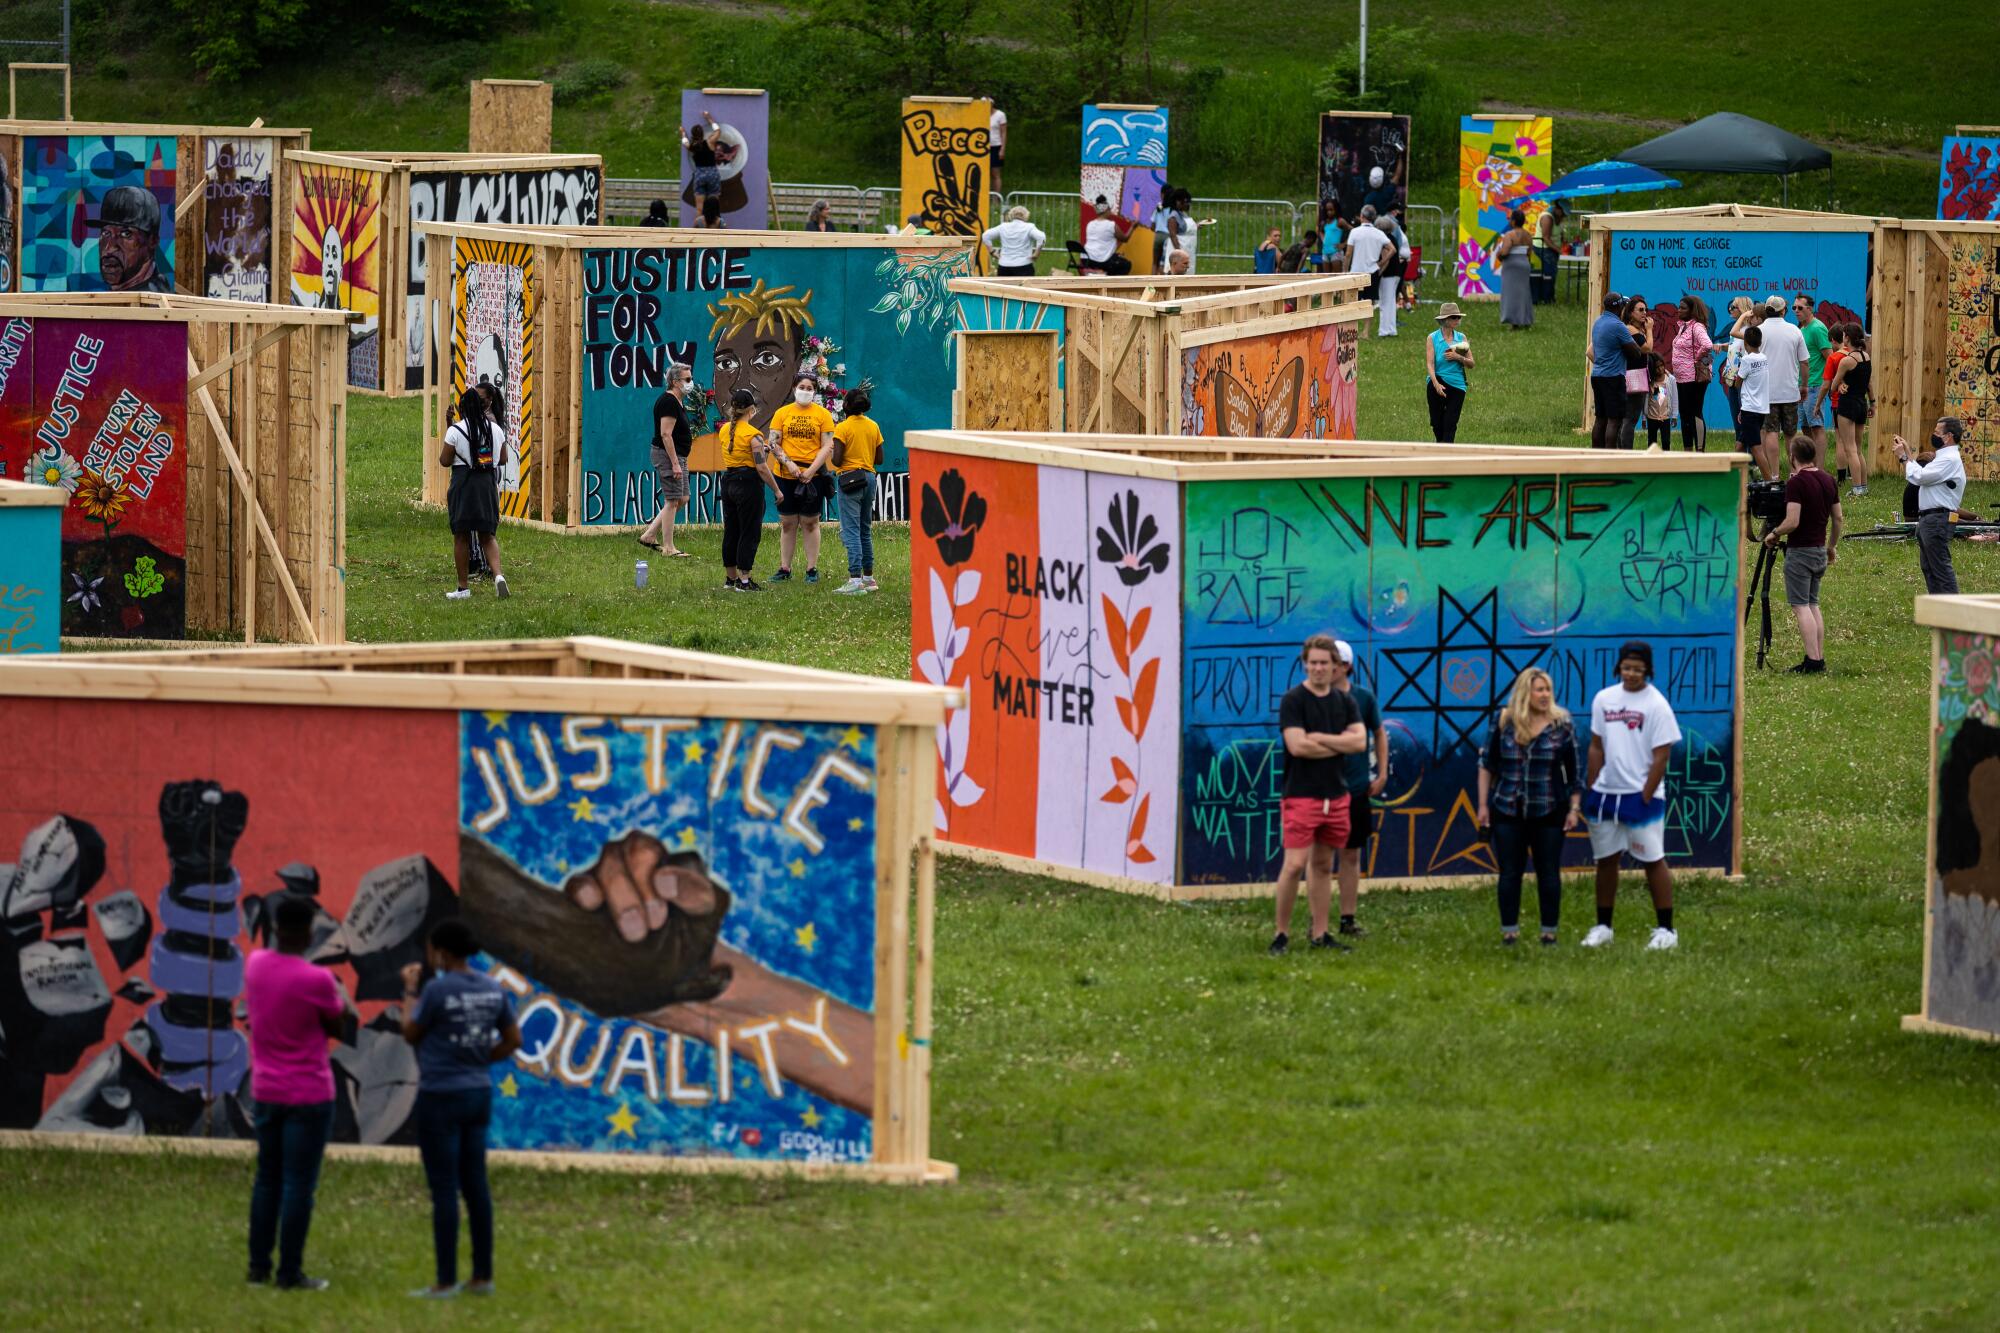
1817	409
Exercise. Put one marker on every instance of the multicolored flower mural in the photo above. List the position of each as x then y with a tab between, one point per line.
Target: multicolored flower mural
1499	161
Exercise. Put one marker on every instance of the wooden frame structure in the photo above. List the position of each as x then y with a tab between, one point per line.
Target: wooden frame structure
1946	618
266	458
190	212
394	171
511	116
608	678
15	66
1122	339
1914	293
1176	466
557	389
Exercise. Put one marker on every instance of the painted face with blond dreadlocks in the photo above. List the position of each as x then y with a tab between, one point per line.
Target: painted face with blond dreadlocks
756	335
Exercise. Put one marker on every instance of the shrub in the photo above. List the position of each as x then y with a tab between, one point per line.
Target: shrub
587	79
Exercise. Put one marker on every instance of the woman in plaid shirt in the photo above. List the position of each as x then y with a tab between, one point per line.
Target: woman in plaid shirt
1529	797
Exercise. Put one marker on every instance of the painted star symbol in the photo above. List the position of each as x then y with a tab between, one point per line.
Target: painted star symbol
622	1121
692	752
851	738
581	811
806	936
686	838
797	868
509	1088
810	1118
495	718
856	824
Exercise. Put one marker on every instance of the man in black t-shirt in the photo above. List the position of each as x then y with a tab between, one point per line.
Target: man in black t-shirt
1811	528
1320	727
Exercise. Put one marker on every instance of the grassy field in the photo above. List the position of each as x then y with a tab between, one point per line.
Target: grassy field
1160	1127
1247	130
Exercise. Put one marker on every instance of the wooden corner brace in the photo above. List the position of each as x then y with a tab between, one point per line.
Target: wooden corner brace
245	484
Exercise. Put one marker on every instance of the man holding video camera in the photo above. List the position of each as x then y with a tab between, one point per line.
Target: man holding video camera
1939	476
1811	527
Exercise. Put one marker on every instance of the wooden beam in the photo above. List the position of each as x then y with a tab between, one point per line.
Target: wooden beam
247	486
218	369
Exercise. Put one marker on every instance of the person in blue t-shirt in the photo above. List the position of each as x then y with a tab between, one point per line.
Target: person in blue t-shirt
1609	341
461	1023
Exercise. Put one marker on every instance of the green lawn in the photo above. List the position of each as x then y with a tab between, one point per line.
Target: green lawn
1158	1126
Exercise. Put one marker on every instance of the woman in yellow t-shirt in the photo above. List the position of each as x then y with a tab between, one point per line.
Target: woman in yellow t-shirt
746	475
801	437
857	447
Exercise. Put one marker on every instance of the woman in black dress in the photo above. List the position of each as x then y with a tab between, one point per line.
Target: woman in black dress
474	449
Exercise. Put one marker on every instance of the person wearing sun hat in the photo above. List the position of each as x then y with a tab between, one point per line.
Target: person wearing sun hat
1447	356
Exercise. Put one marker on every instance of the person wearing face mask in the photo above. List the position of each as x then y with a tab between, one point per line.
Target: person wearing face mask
801	437
1940	483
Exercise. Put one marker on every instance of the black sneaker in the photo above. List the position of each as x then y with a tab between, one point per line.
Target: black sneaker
1803	668
1815	665
1327	941
303	1283
750	585
1279	943
812	576
782	576
257	1277
731	585
1353	931
1548	940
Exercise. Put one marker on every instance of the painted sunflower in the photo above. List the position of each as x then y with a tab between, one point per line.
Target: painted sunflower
101	500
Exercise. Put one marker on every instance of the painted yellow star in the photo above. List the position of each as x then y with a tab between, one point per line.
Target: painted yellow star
686	838
623	1122
806	936
856	824
495	718
581	811
810	1118
562	864
692	752
798	869
509	1088
852	738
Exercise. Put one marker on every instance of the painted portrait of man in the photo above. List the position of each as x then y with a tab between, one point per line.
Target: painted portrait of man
757	335
128	241
330	270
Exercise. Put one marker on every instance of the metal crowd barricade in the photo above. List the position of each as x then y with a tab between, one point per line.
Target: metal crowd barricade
1229	243
627	199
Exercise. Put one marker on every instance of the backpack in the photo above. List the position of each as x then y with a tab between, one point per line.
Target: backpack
479	445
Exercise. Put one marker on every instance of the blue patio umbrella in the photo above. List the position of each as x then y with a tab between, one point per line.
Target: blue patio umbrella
1600	178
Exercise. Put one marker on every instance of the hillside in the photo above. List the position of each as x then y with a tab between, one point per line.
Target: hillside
1242	91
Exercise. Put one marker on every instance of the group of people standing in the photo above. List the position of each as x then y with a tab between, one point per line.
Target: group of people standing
1532	793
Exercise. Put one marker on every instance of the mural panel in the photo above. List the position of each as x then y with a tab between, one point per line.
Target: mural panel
236	219
1447	588
1050	595
740	1025
1969	179
1125	161
1962	982
557	196
99	408
1971	334
1498	161
946	156
493	341
742	131
749	316
1351	147
337	257
1720	265
1294	385
97	213
30	573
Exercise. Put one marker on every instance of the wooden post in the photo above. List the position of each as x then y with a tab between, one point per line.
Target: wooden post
15	66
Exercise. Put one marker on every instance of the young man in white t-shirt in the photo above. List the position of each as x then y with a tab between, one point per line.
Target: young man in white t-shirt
1753	398
1632	731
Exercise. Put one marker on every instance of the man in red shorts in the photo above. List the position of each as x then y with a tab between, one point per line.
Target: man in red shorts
1321	728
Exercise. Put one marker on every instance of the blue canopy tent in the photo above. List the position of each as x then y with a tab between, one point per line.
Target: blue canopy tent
1600	178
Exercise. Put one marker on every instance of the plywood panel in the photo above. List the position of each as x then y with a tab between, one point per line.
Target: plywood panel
1007	381
511	116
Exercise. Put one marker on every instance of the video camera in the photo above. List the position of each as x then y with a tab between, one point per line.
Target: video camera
1766	501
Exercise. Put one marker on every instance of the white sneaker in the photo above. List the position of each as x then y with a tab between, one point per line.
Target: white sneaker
500	585
869	580
1598	937
459	595
851	588
1663	939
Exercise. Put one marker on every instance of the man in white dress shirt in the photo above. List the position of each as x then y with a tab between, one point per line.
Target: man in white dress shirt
1940	482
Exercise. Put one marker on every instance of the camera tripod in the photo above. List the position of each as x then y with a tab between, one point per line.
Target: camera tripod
1760	591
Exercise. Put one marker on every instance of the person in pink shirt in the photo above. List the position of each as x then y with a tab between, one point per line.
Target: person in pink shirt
293	1007
1693	369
